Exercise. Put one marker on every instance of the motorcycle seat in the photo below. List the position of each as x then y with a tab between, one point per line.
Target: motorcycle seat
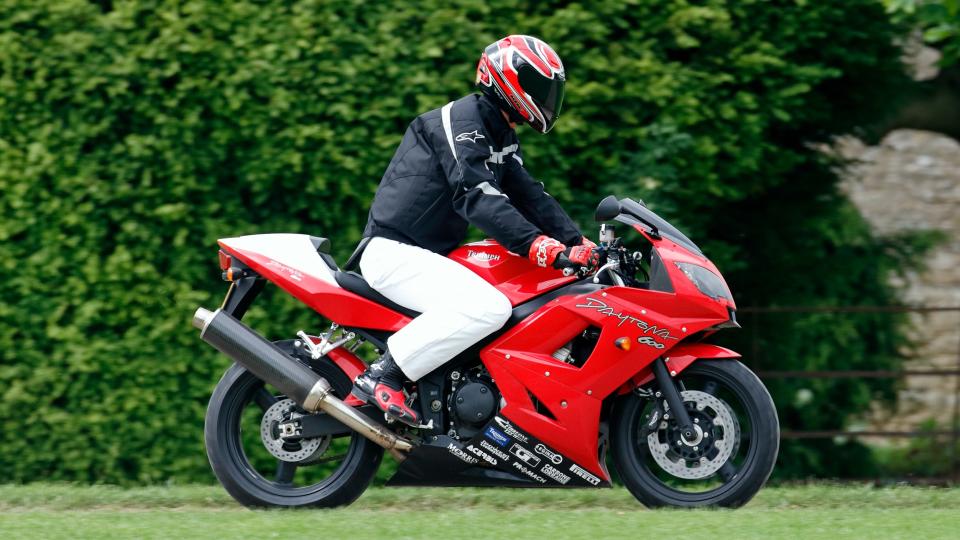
355	283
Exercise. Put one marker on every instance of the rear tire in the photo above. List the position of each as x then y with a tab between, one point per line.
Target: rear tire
245	481
741	475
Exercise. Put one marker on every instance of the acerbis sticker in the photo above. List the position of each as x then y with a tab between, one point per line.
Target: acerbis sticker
481	454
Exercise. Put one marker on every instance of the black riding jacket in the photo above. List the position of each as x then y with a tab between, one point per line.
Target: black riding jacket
457	165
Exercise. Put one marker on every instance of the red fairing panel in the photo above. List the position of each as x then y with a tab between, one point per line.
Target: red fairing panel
515	276
680	359
654	322
291	262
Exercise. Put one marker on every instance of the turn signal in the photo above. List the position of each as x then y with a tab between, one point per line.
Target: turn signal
233	273
622	343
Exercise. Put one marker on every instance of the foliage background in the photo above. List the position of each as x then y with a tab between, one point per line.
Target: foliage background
134	134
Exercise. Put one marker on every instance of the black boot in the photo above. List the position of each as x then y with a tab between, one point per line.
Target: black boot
382	385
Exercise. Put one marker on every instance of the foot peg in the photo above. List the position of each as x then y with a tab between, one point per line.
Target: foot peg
393	419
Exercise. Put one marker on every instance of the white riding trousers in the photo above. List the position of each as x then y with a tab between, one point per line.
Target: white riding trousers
458	308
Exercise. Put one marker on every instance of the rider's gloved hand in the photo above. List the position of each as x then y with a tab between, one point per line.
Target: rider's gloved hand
583	255
544	251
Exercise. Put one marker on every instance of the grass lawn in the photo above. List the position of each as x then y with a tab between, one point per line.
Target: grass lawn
181	512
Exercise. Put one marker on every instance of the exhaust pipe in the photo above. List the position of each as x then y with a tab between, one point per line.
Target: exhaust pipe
297	381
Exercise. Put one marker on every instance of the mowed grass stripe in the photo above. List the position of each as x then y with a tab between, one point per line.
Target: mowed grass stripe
482	523
73	497
205	512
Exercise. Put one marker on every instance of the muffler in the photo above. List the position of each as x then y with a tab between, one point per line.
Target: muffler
297	381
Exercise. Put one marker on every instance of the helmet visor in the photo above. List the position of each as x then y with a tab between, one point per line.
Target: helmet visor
547	94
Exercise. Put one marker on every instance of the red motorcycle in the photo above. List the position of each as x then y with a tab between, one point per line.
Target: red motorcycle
612	357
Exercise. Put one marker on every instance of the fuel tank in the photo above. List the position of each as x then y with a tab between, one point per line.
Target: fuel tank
515	276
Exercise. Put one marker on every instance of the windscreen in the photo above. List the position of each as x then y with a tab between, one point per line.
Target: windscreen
635	213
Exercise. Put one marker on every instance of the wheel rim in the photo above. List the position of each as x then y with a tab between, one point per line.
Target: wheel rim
716	439
242	432
723	398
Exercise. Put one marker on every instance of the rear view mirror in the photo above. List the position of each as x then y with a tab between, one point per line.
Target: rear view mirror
608	209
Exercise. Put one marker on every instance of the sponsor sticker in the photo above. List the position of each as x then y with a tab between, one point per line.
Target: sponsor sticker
524	455
511	431
528	472
481	454
549	471
549	454
497	436
583	473
465	457
494	450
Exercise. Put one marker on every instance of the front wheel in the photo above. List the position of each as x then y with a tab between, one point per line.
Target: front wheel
727	461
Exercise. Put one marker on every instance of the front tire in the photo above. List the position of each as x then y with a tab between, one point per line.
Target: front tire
744	441
251	475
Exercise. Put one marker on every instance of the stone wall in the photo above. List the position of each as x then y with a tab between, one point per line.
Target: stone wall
911	181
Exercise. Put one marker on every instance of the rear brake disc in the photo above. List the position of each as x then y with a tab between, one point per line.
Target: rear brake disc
293	451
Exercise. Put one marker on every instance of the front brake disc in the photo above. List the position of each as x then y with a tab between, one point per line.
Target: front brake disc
717	439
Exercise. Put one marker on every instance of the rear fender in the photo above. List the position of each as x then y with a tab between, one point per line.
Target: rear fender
349	364
680	359
339	358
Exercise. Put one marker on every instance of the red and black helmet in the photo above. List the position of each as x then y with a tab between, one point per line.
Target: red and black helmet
525	76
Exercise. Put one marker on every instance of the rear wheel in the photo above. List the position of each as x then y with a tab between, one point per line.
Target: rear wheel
729	458
257	468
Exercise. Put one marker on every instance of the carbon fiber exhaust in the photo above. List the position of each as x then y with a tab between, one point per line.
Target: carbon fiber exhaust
297	381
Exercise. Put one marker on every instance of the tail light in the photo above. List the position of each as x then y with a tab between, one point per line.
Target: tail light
233	270
225	260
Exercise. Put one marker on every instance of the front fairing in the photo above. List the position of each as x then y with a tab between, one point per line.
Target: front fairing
667	276
670	247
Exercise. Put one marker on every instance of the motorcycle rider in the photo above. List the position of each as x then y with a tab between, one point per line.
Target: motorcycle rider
457	165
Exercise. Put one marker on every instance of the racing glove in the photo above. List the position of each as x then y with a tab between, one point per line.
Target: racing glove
583	255
544	251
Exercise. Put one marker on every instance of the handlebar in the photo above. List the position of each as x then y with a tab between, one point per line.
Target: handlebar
569	267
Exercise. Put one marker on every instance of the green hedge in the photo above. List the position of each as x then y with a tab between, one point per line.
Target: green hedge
134	134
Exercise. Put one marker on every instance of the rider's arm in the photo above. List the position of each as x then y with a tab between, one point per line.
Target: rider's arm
536	204
478	197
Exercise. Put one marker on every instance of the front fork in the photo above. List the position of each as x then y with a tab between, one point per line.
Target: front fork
673	398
